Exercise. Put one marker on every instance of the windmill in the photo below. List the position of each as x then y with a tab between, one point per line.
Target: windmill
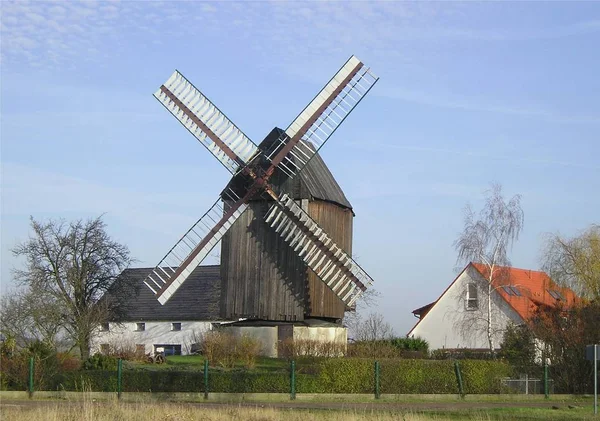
258	199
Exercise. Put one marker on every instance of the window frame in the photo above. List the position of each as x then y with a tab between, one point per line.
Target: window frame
469	299
140	326
176	326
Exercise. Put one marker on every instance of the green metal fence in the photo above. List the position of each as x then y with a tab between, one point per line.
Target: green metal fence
327	376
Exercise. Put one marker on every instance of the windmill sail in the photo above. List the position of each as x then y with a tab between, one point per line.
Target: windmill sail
321	117
206	122
193	247
330	262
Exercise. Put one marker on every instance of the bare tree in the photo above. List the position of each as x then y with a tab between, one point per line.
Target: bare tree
28	316
75	264
373	328
575	262
486	239
353	317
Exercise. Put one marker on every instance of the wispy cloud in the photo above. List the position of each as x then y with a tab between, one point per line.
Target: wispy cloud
51	33
515	159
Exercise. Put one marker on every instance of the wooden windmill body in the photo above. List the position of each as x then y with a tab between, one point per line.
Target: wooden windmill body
262	277
284	224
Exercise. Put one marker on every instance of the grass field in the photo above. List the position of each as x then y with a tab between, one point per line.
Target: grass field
89	410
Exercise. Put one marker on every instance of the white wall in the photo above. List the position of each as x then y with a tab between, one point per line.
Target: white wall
449	325
266	335
125	335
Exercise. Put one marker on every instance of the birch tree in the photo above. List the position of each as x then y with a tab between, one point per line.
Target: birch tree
75	264
487	238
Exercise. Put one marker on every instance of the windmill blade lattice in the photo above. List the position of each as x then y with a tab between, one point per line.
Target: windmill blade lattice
321	117
329	262
193	247
206	122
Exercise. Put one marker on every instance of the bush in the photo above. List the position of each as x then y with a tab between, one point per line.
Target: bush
410	344
100	362
485	376
295	348
224	349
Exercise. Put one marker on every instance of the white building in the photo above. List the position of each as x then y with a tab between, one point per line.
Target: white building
459	317
146	324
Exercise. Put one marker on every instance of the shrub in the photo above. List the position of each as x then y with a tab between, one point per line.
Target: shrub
100	362
224	349
295	348
410	344
372	349
485	376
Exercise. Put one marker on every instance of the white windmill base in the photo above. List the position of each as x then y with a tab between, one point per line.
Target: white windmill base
271	334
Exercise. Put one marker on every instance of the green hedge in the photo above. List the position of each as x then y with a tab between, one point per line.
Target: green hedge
334	375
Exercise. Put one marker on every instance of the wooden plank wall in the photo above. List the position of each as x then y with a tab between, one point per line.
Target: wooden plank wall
263	278
337	222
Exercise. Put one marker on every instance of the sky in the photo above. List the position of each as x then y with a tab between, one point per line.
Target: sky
469	94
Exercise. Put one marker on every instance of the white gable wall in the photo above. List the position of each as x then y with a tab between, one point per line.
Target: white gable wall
125	336
448	324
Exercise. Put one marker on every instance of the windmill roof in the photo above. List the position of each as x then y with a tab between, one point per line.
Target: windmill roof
320	183
315	181
196	299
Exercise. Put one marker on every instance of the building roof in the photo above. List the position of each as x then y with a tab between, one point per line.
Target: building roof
536	288
533	289
315	181
196	299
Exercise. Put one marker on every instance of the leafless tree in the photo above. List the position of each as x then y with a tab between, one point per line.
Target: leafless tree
486	239
75	264
575	262
26	316
373	328
354	317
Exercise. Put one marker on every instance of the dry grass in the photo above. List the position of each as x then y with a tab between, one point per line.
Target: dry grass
112	411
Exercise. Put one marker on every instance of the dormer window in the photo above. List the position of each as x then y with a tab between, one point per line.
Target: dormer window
511	290
471	299
556	295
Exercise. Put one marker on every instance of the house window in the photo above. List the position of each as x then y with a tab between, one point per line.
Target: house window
471	302
105	327
140	327
175	326
168	349
105	349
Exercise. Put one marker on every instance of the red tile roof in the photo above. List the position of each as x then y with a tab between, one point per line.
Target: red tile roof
536	288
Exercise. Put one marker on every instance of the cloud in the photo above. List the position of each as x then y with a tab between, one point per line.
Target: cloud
319	29
513	159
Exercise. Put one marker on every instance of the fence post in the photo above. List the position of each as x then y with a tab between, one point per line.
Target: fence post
30	383
377	394
293	380
119	377
459	379
546	388
205	379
